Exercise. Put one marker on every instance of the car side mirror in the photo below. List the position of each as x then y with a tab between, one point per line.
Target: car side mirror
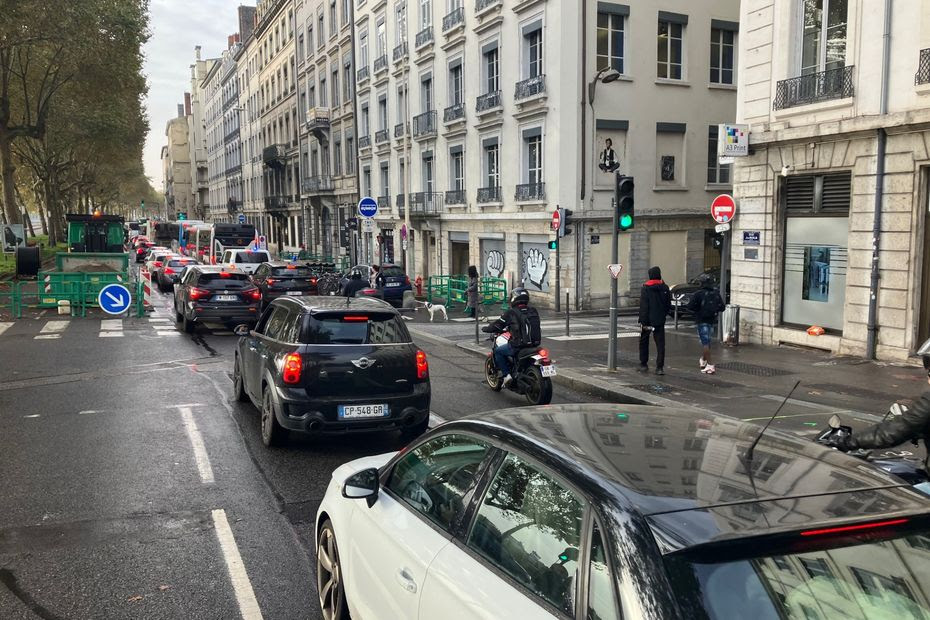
834	421
364	484
242	330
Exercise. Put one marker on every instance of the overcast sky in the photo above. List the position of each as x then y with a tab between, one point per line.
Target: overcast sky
177	26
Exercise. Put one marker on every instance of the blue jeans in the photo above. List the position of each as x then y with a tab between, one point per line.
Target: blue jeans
500	358
705	333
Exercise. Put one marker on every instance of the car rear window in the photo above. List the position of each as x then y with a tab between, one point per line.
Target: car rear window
291	272
334	329
179	262
252	257
393	272
224	279
876	580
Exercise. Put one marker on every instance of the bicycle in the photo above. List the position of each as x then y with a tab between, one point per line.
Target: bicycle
328	284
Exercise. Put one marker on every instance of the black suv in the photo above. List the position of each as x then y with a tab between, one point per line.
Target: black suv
215	293
278	279
332	365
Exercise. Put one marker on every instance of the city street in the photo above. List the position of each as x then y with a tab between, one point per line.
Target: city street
132	484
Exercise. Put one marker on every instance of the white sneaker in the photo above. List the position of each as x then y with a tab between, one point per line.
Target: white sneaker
507	381
709	369
702	363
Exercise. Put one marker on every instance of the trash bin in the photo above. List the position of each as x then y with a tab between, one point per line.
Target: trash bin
731	324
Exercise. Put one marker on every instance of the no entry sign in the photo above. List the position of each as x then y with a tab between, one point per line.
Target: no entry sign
556	220
723	208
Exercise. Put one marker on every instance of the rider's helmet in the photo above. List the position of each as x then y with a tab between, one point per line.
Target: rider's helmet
356	274
924	353
519	297
705	280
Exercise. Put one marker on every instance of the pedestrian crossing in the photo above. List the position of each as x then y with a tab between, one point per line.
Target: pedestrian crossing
65	329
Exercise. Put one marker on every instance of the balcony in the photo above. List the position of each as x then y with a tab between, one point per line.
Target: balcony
488	195
424	124
276	203
318	120
381	136
424	37
400	52
488	102
317	184
426	204
401	130
384	203
923	68
364	142
454	19
455	112
532	87
530	191
455	197
484	5
381	64
401	200
275	155
362	74
814	88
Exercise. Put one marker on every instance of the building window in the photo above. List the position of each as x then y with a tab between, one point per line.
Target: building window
350	155
347	83
401	104
363	48
323	92
532	148
492	70
426	92
381	31
346	10
335	87
455	85
311	95
366	128
823	45
401	19
426	13
428	174
717	173
385	180
333	20
533	53
670	50
300	48
721	56
457	170
610	41
492	172
322	30
366	181
337	159
382	114
309	40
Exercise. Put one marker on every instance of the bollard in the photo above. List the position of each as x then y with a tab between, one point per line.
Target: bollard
568	315
677	303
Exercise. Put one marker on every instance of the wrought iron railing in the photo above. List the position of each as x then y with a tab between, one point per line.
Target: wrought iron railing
381	136
317	183
381	63
923	68
531	191
401	200
424	124
401	129
488	101
400	51
814	87
530	87
274	153
317	118
424	36
481	5
489	194
455	197
384	202
453	19
362	74
454	112
276	203
426	204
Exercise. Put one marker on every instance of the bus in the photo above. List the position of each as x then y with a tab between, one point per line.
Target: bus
212	240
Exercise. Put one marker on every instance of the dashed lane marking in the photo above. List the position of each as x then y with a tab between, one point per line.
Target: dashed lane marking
4	327
200	451
52	330
245	596
168	333
593	336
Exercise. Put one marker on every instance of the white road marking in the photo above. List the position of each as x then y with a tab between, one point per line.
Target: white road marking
593	336
200	451
403	316
4	327
245	596
34	415
461	320
435	419
167	333
88	411
52	330
111	334
555	324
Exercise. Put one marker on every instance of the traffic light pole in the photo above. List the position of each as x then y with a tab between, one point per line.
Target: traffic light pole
614	259
558	276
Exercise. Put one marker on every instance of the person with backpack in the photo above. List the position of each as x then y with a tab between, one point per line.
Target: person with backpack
705	305
522	322
655	302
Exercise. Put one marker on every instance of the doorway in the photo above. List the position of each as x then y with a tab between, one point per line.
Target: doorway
458	251
923	325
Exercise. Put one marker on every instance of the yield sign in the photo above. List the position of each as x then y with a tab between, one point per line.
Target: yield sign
723	208
615	269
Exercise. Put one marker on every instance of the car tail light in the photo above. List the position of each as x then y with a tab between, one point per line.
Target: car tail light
168	271
140	251
157	263
853	528
422	365
270	281
198	293
543	353
224	274
406	279
355	319
312	280
292	367
253	293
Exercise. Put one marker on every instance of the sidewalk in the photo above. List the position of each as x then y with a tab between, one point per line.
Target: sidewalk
750	383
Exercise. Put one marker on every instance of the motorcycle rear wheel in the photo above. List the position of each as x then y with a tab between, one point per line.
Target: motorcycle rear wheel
494	381
538	388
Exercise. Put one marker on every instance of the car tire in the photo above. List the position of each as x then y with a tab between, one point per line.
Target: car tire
187	324
329	574
539	388
273	434
239	382
415	430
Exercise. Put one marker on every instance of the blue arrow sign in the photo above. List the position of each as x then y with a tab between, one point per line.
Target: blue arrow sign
242	218
367	207
114	299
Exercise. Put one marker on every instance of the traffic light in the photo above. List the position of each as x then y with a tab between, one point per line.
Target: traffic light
142	205
625	205
566	222
554	244
182	216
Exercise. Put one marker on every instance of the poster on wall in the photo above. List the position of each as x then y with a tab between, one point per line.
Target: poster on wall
13	236
492	258
534	269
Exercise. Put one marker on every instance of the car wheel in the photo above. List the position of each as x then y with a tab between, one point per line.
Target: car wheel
187	324
272	432
239	382
415	430
538	388
329	576
490	375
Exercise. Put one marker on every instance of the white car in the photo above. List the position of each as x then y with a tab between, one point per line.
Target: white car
245	260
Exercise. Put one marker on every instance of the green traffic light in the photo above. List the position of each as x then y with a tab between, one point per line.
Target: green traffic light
553	245
626	221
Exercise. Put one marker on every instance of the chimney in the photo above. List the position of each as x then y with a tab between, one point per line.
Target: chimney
229	41
180	110
197	52
187	104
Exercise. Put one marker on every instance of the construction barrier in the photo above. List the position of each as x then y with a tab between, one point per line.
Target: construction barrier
145	285
71	295
10	300
58	285
453	289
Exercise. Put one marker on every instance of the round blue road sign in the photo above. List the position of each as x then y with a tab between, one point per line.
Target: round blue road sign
242	218
114	299
367	207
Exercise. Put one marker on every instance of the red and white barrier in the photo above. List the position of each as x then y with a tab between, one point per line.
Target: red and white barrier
146	276
48	284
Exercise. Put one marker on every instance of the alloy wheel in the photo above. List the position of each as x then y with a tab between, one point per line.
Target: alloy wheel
329	576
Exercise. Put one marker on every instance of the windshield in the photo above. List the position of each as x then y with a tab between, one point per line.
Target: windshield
385	329
291	272
888	580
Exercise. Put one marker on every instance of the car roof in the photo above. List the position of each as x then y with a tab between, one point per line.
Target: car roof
322	303
683	470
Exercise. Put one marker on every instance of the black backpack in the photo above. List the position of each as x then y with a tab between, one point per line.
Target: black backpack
712	304
530	330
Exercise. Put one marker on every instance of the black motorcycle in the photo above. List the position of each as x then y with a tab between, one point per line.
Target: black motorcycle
532	371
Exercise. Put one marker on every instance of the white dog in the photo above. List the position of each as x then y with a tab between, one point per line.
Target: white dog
433	309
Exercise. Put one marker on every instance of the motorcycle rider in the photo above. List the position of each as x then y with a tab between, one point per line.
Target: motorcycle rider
355	284
912	424
513	321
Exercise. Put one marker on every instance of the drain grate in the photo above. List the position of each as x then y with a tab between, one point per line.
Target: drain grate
754	369
858	392
655	388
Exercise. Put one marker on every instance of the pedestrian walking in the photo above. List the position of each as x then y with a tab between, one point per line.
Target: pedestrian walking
471	304
705	305
655	302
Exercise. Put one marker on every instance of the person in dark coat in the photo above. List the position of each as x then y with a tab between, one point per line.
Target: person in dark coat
471	306
655	302
356	283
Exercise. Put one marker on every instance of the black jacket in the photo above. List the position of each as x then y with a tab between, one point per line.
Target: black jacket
696	306
655	302
507	322
912	424
355	285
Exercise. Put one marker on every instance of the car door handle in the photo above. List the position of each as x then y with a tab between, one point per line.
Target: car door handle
405	579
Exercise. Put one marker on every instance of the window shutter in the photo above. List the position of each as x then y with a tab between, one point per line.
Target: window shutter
837	189
799	193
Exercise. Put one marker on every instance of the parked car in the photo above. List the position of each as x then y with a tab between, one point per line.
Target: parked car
215	293
170	272
279	278
330	365
607	511
689	288
245	260
392	282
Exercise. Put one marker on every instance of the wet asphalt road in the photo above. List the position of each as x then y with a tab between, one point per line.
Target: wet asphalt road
110	510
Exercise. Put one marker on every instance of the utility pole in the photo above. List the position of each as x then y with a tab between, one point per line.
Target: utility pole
614	257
